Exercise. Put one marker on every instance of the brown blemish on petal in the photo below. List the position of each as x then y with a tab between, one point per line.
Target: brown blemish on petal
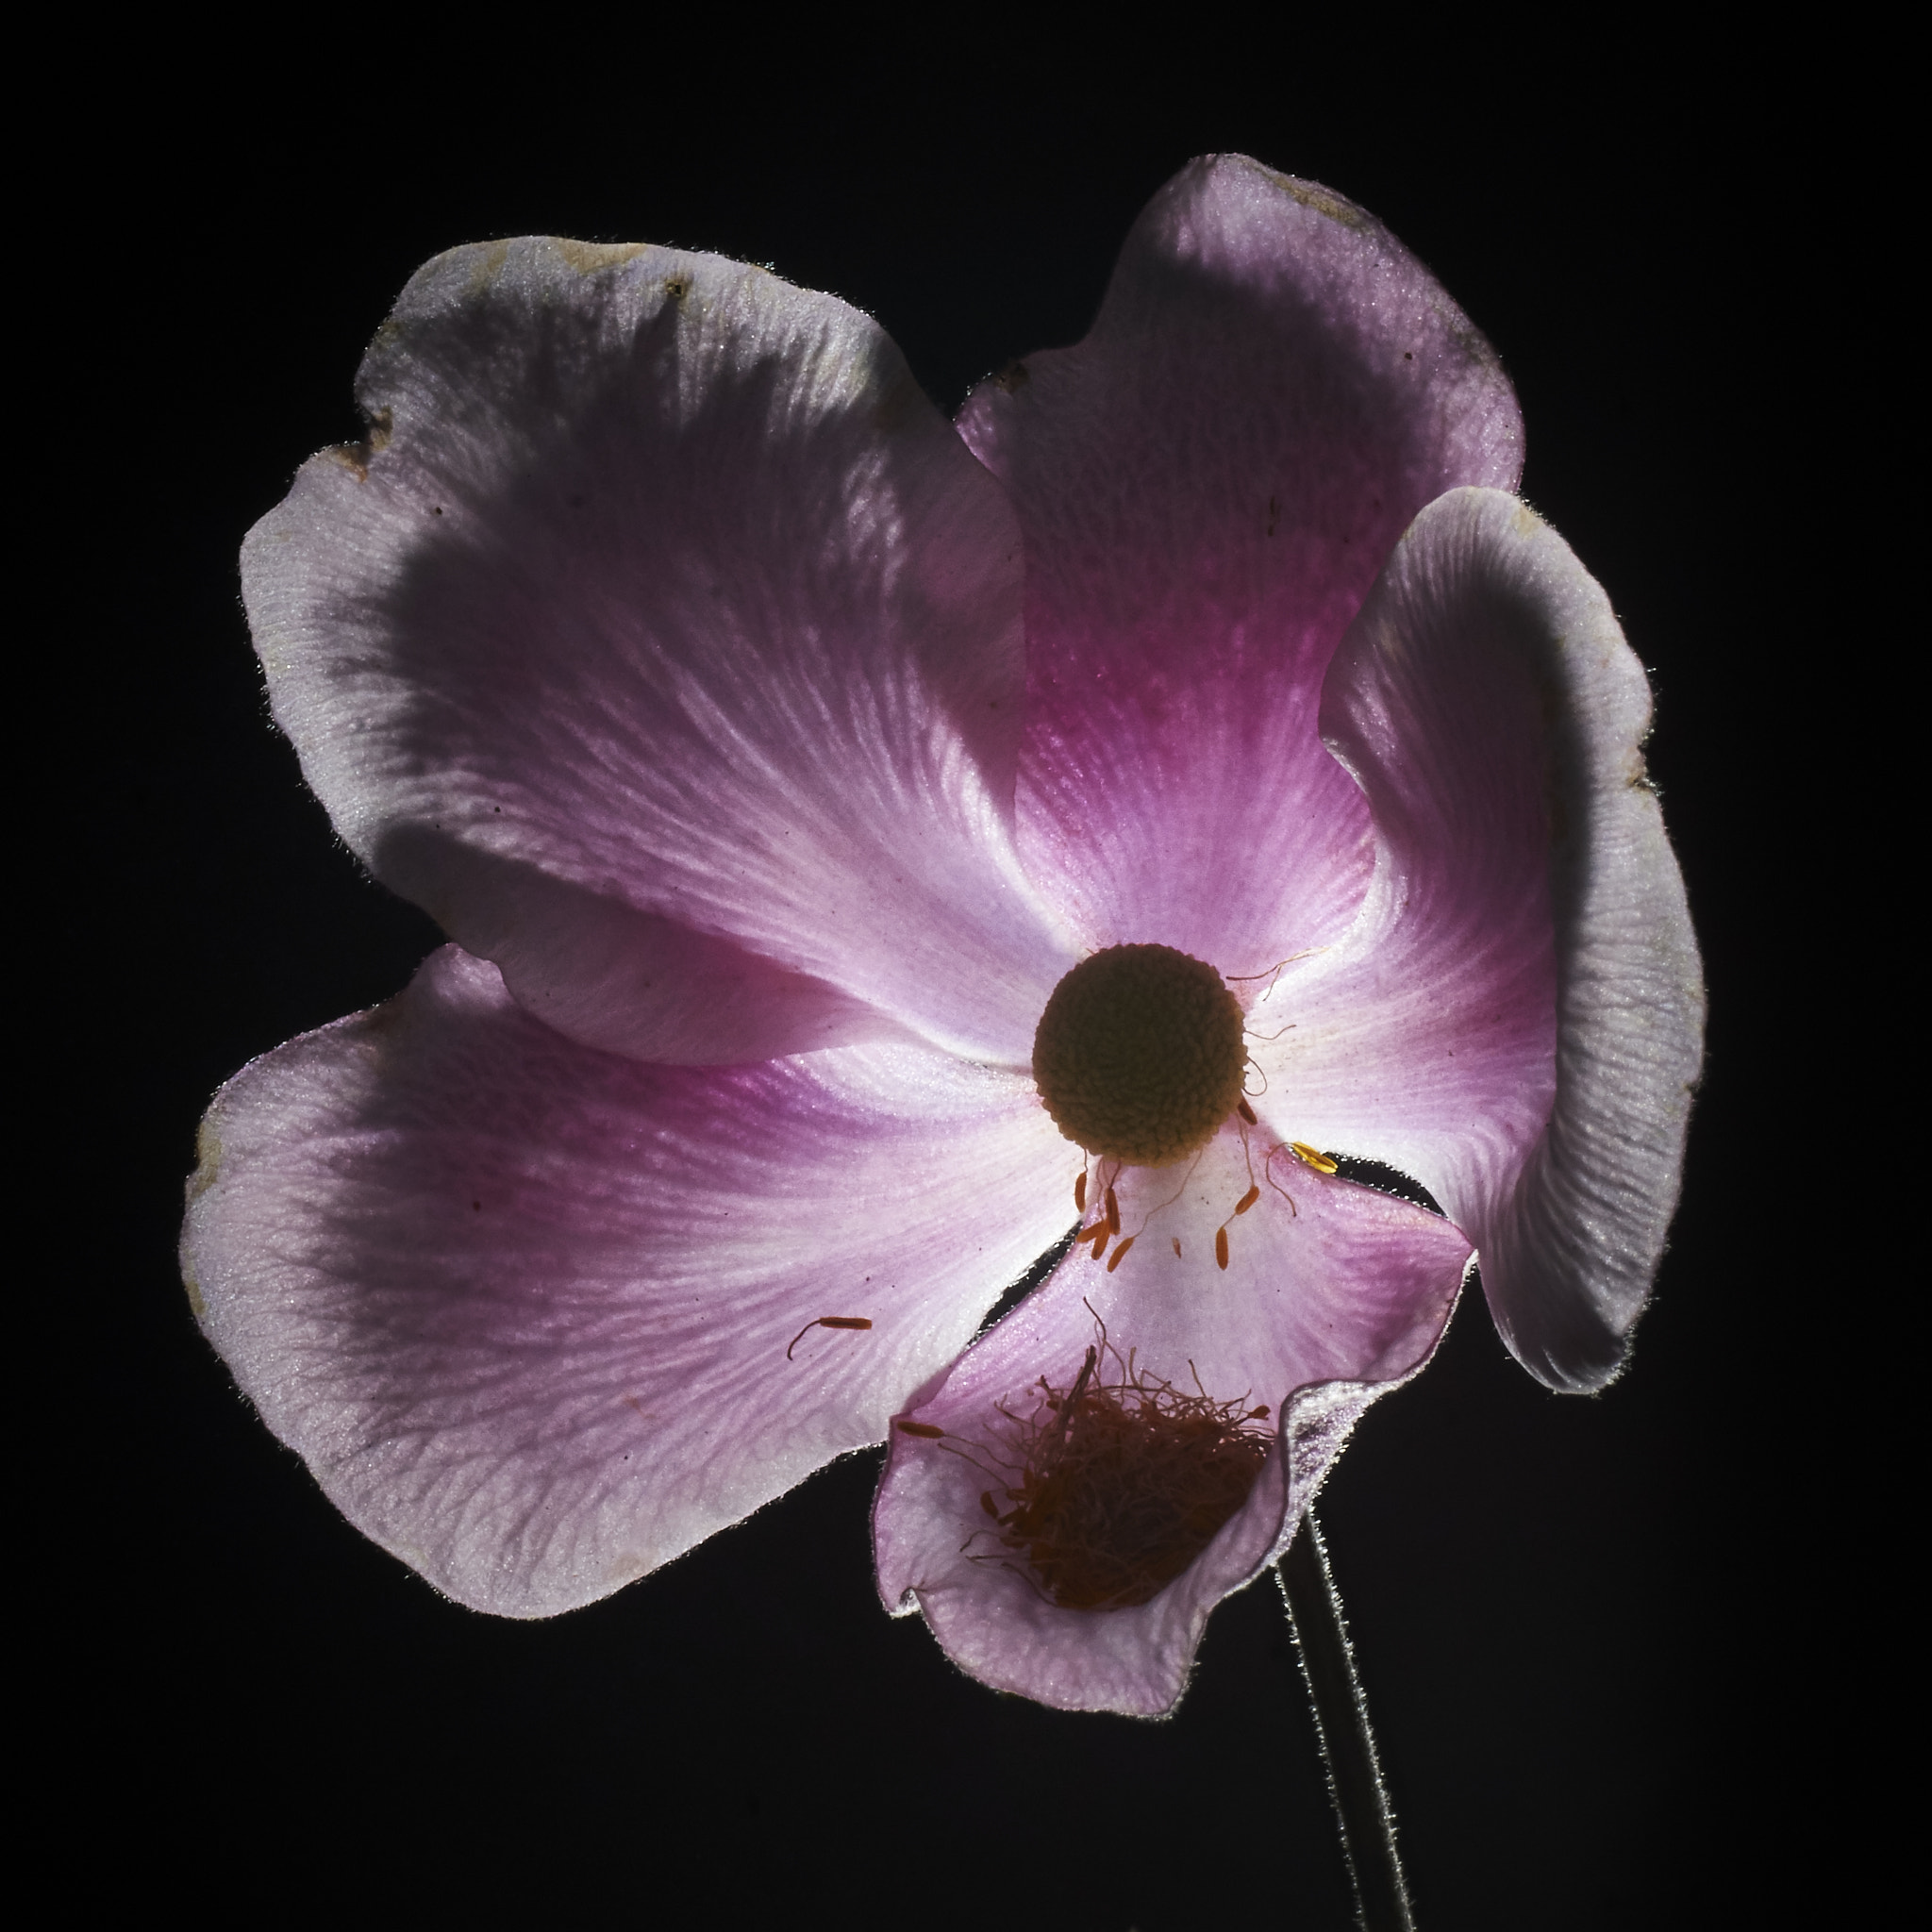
355	457
486	266
1322	202
208	1161
587	257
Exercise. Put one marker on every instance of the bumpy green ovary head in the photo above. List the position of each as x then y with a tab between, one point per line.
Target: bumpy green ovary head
1139	1055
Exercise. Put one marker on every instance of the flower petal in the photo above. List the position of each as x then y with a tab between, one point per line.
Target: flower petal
662	604
1517	1019
523	1307
1322	1308
1208	486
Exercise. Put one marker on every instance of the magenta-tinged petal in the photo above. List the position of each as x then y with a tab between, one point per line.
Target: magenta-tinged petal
1324	1306
664	642
1517	1018
1208	486
523	1307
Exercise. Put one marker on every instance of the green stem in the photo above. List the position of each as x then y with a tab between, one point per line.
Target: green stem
1348	1743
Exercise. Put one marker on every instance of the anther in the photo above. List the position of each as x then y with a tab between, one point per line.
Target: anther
1314	1156
1120	1253
922	1430
829	1322
1113	1212
1247	1200
1220	1247
1081	1192
1247	1114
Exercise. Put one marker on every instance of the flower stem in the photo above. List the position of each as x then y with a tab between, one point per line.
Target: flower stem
1348	1745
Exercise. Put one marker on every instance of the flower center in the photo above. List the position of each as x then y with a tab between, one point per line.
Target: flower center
1139	1055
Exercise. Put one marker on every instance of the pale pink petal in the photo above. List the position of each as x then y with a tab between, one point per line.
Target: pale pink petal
662	642
523	1307
1324	1306
1208	486
1517	1018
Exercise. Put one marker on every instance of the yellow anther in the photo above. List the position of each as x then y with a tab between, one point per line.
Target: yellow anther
1314	1156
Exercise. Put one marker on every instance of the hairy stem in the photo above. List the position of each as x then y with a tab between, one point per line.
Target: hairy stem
1348	1743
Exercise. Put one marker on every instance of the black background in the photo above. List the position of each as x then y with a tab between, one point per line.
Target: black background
1563	1606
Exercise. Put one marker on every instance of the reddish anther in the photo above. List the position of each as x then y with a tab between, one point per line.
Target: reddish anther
1120	1253
1220	1247
926	1430
1247	1200
829	1322
1113	1213
1246	1112
1081	1192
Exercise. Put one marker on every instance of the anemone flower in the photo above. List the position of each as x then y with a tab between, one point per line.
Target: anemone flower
869	843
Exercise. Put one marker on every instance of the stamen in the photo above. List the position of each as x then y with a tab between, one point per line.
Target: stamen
1247	1200
1081	1192
1314	1156
921	1430
1220	1247
1247	1113
829	1322
1113	1212
1120	1253
1124	1480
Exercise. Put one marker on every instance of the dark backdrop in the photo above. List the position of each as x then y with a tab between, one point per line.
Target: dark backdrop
1561	1604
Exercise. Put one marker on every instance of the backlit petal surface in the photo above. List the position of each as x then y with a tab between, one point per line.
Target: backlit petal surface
1516	1018
523	1306
664	642
1208	486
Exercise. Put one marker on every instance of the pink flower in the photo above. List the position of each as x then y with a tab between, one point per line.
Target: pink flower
772	750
